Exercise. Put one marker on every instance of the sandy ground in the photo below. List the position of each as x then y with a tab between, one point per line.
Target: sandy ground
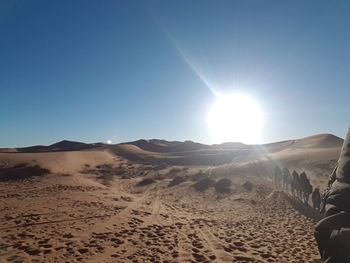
75	219
90	209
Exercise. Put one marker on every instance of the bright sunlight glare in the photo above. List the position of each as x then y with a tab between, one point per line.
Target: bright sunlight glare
235	118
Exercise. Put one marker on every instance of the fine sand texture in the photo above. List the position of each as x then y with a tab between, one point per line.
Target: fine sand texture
126	204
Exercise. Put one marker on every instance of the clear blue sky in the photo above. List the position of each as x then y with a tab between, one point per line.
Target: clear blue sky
124	70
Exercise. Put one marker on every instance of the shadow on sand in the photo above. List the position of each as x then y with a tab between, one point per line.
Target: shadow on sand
21	171
305	209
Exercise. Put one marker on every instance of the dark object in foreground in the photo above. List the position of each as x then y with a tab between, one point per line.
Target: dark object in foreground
333	238
21	171
316	199
333	232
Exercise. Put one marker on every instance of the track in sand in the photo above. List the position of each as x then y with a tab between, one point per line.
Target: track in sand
124	223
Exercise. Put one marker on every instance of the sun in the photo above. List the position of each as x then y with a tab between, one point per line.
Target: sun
235	118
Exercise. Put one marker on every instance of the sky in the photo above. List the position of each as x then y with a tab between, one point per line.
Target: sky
118	70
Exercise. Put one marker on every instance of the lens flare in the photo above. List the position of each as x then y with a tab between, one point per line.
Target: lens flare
235	118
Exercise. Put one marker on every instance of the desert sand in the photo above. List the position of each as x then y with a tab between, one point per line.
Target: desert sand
113	203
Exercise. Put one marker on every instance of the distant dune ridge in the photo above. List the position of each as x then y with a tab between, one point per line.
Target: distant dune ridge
163	146
322	148
317	155
56	147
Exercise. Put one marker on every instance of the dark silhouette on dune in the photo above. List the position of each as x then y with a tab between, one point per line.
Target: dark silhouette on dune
306	187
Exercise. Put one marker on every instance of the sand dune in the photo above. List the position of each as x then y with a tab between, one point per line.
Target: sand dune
166	146
319	141
56	147
59	162
93	206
